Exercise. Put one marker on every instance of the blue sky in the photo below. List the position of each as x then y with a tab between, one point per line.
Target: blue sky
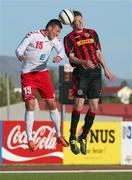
112	19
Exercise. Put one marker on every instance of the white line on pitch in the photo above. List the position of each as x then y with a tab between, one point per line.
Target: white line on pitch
65	171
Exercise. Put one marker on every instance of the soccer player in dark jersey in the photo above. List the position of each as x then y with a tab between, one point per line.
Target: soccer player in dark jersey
83	49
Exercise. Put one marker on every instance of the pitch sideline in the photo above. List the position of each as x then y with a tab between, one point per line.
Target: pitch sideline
65	171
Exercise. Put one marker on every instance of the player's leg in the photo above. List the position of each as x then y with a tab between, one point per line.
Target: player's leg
93	93
79	88
89	118
46	91
79	102
29	120
28	94
88	122
77	108
55	117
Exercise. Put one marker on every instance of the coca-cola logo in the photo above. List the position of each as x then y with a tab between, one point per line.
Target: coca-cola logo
44	138
15	148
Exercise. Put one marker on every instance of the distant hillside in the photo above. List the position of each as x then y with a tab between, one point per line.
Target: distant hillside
12	66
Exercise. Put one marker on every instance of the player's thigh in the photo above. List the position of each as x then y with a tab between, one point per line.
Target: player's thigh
45	87
94	90
81	88
28	87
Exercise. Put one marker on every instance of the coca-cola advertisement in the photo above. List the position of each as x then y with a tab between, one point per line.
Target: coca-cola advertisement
15	148
0	141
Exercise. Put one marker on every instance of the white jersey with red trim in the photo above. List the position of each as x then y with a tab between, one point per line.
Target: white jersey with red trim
37	49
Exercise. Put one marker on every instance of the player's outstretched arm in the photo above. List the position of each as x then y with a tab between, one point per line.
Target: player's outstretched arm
101	60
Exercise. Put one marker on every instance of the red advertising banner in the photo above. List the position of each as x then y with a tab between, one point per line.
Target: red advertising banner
15	149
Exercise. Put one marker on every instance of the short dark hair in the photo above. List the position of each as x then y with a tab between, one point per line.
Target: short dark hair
77	13
54	22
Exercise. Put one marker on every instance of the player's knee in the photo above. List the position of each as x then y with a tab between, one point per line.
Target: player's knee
30	105
51	104
78	106
93	108
79	103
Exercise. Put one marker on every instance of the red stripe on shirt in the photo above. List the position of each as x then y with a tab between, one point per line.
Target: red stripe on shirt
76	46
85	50
66	45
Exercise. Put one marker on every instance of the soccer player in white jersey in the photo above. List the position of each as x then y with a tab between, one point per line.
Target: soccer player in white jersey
34	52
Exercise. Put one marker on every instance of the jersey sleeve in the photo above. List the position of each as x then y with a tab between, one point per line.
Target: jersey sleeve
97	42
23	45
58	46
68	44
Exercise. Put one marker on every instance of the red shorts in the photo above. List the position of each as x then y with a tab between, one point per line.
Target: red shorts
39	81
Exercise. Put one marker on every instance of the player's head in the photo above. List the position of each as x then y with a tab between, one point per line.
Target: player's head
53	28
78	21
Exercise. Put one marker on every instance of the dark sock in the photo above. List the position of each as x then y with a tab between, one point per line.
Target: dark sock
74	122
89	118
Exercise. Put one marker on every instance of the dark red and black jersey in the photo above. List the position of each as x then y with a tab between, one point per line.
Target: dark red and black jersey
83	45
